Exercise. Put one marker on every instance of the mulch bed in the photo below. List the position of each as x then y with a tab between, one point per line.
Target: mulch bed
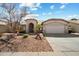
30	44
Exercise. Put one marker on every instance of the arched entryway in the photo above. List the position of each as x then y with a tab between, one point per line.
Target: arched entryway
31	28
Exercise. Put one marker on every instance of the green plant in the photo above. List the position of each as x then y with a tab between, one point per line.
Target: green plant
38	27
25	36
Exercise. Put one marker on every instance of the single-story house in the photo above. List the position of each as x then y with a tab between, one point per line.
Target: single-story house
55	26
48	26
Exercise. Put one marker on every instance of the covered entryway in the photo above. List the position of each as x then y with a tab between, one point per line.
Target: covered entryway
31	25
31	28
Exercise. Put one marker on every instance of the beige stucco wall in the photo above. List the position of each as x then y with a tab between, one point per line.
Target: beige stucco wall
27	25
3	28
23	27
75	27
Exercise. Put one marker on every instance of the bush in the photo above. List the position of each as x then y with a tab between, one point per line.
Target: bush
25	36
38	27
71	31
23	32
1	34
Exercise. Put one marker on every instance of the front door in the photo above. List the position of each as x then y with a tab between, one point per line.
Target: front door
31	28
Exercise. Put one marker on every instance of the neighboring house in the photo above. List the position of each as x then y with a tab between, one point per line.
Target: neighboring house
3	27
74	25
55	26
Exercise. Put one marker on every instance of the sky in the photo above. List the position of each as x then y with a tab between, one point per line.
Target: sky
44	11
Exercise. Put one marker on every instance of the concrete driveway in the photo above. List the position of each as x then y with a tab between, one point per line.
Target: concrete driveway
66	44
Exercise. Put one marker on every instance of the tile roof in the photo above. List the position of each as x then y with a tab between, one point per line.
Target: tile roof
55	20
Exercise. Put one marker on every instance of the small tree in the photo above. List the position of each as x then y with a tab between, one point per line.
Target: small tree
38	27
38	30
12	16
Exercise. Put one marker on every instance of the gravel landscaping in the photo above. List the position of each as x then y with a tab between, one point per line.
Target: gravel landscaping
29	44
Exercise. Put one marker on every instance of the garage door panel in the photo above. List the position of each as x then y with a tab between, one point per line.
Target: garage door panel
55	29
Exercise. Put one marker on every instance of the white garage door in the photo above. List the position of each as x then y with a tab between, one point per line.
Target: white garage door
54	29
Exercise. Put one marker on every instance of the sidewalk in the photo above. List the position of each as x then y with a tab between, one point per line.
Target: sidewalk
29	54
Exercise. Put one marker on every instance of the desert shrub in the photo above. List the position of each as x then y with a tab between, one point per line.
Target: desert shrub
25	36
23	31
1	34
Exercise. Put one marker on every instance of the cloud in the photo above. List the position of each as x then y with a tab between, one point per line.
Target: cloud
32	6
47	14
52	7
72	16
43	14
27	4
64	3
50	13
31	16
62	7
38	5
28	12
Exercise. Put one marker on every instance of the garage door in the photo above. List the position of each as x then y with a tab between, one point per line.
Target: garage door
54	29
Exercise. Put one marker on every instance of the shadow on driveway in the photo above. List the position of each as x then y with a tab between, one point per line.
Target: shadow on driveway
62	35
